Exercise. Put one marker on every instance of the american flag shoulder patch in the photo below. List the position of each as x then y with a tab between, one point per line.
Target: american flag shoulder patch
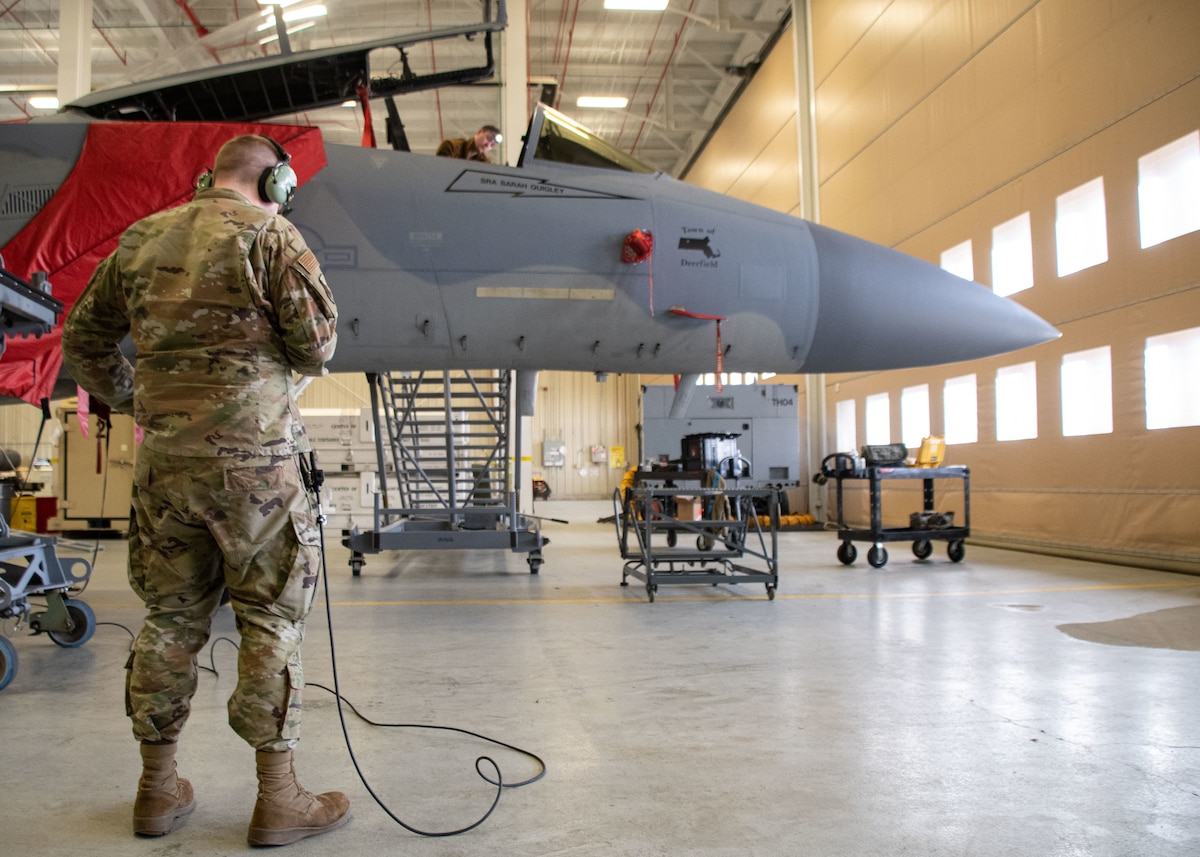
308	262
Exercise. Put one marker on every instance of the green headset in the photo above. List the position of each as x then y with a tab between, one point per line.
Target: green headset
276	184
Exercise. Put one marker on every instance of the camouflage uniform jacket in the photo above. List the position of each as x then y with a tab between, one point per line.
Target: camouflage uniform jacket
223	300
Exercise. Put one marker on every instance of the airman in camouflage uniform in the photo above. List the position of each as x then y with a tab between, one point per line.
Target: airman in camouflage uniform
224	302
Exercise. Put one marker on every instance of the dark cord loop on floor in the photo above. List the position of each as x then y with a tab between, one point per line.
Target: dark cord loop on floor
342	703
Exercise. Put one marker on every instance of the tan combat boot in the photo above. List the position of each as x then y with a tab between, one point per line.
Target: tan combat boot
285	811
162	796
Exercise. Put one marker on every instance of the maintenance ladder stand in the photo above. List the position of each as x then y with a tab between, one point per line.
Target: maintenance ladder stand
445	438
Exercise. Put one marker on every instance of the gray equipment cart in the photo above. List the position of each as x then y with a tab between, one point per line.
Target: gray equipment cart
662	547
29	567
28	563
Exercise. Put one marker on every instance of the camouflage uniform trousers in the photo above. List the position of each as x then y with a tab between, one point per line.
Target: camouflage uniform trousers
199	526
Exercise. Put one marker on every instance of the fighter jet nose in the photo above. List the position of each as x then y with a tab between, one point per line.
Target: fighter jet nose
882	309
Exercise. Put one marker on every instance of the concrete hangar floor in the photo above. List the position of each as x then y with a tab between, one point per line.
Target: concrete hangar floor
1008	704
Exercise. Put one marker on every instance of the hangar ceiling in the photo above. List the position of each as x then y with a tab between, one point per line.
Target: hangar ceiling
678	68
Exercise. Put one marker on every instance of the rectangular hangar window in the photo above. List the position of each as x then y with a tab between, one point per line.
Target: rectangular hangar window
914	415
847	432
879	420
959	260
1081	228
960	408
1087	392
1169	190
1173	379
1016	402
1012	256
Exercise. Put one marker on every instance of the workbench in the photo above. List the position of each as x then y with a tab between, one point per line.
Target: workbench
922	538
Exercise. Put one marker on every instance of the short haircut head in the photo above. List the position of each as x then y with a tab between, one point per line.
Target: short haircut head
492	128
244	158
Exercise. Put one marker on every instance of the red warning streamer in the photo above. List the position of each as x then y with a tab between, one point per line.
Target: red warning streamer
680	311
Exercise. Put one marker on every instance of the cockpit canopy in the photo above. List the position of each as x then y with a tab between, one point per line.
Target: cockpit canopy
561	140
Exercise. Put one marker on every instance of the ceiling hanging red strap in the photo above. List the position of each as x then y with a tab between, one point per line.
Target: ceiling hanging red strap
680	311
364	98
637	247
201	30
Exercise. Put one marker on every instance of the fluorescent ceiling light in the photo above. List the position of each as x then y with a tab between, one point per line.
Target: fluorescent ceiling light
607	101
44	102
306	12
290	31
281	3
293	15
637	5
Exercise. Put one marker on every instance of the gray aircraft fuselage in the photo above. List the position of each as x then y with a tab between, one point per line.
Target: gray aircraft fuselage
437	263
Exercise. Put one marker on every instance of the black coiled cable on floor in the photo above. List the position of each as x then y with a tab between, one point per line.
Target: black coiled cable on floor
314	479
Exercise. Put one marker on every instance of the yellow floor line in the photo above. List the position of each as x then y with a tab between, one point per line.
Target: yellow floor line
636	596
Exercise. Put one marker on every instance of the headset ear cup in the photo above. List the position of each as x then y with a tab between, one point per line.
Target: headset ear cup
277	184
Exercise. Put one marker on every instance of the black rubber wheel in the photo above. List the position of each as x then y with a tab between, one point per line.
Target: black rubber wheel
704	543
770	592
847	553
85	625
877	556
922	548
356	564
672	538
535	562
8	662
956	550
650	590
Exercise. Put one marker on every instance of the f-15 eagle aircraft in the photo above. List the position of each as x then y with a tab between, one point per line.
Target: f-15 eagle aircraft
579	258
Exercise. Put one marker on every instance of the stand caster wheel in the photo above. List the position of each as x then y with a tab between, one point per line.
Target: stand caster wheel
535	562
922	548
672	538
650	590
8	662
877	556
956	550
356	563
847	553
770	593
84	622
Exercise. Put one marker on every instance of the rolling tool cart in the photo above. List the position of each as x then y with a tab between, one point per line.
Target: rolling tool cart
724	523
925	526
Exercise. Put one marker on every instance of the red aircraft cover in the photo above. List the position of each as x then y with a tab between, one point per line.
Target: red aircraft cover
125	172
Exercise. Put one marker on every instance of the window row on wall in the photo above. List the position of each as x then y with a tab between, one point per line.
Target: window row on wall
1086	397
1168	206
